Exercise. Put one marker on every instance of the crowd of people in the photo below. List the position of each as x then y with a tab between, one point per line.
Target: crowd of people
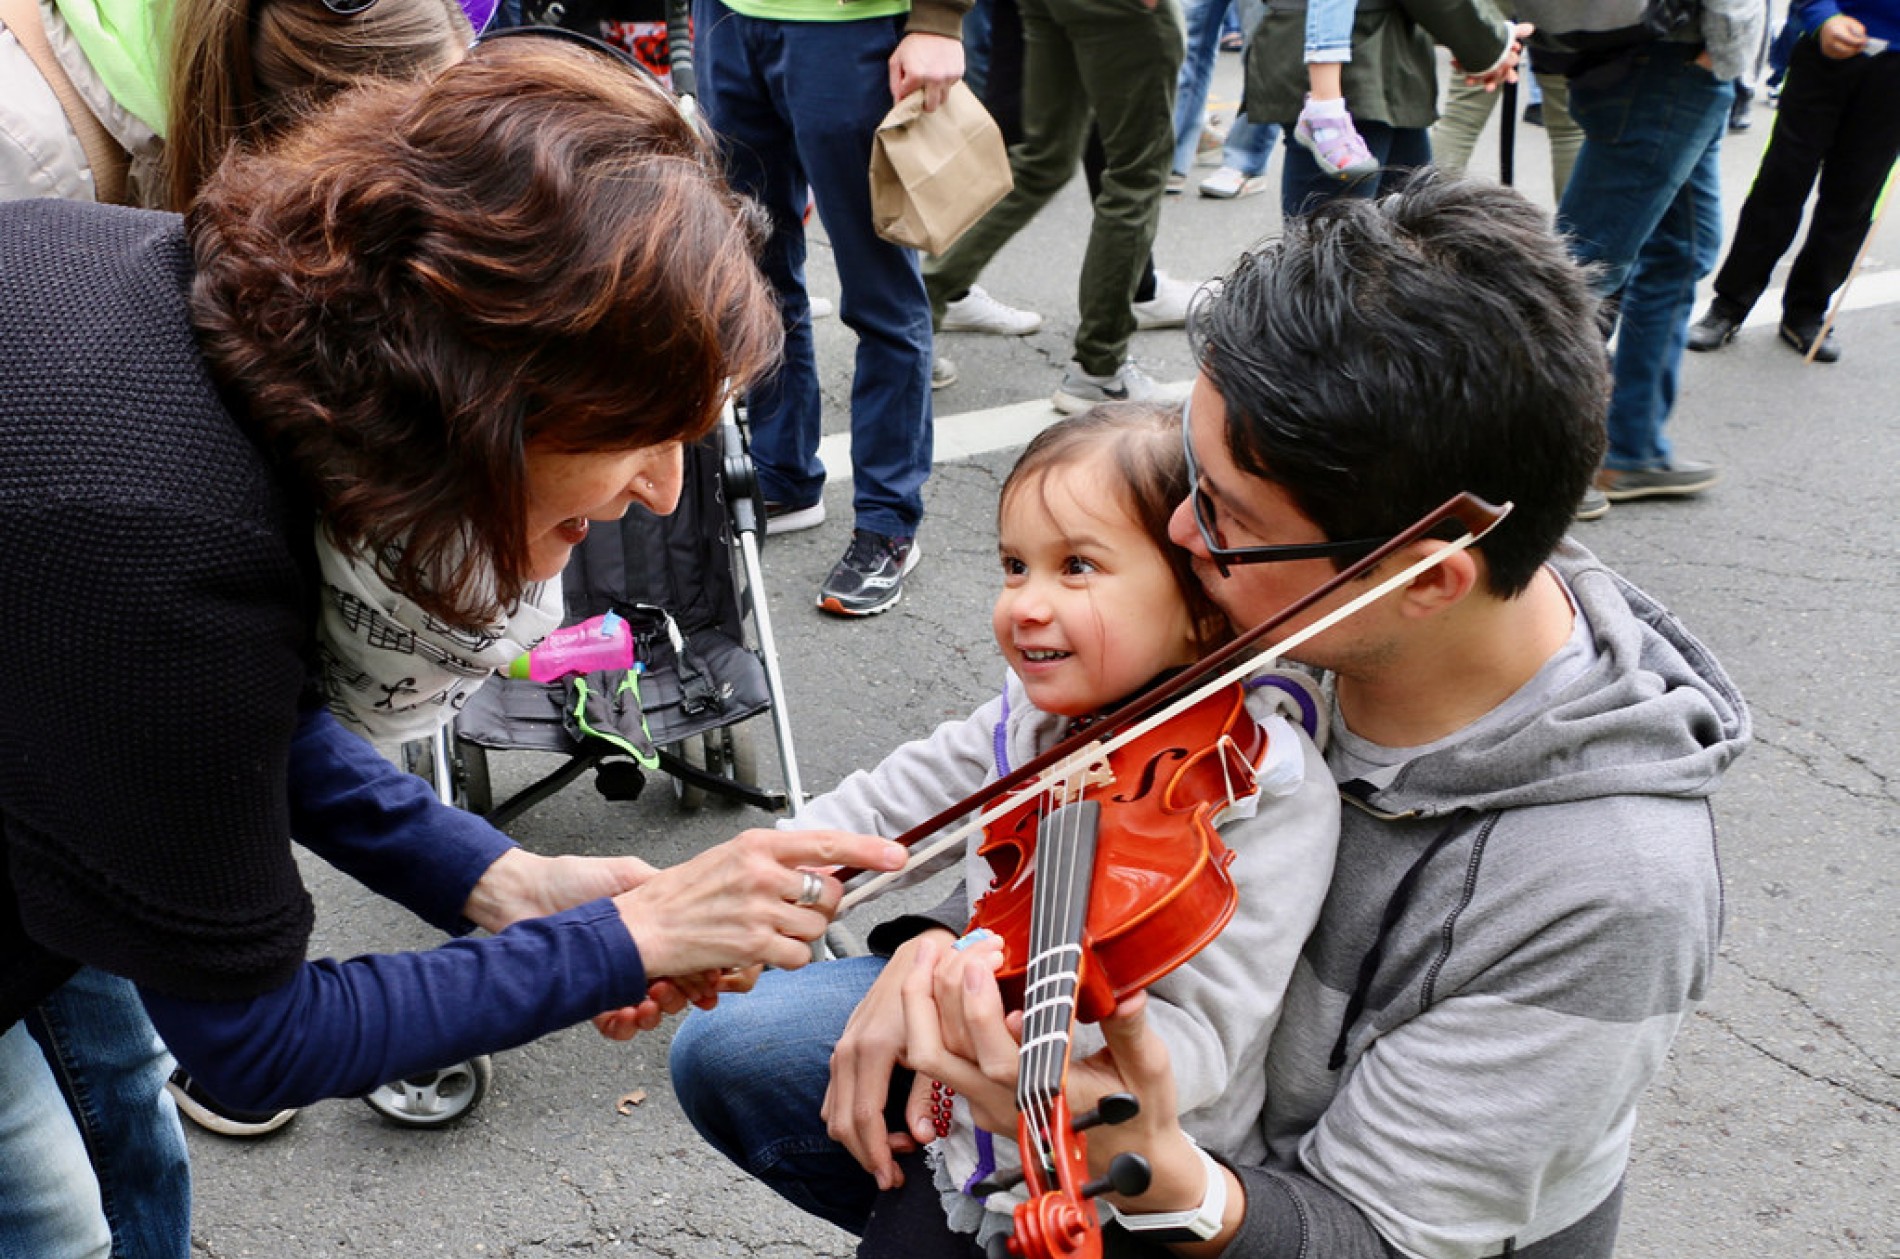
366	299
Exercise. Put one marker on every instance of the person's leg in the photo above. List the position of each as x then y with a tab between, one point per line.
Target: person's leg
1003	94
1197	74
112	1068
976	47
49	1196
1565	136
1127	64
751	1074
1396	152
1804	127
1055	127
1853	173
1249	143
1460	123
908	1222
1647	123
785	410
1657	303
835	84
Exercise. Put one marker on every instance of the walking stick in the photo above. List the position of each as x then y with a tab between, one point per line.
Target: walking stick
1840	298
1507	133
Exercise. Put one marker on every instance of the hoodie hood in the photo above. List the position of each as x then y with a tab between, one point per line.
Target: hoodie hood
1653	714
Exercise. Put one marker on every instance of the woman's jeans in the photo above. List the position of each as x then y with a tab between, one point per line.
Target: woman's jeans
92	1158
1644	207
751	1074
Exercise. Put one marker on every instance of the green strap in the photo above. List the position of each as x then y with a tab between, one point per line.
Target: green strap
629	681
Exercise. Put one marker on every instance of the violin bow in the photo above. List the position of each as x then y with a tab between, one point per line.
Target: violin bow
1227	665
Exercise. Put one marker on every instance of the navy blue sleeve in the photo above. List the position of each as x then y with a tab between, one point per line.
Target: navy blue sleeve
383	827
340	1029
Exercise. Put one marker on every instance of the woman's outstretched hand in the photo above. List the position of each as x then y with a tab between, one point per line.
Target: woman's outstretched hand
759	898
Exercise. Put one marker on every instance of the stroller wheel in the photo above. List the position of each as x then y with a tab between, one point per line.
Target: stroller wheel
688	796
477	794
742	753
434	1098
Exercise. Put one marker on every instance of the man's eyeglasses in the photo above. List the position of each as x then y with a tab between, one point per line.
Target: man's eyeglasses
1223	556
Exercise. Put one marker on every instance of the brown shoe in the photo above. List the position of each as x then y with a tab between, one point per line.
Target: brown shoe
1682	479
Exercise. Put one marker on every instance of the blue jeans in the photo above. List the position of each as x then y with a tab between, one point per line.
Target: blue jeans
1249	143
92	1158
1644	206
795	105
751	1074
1398	150
1329	29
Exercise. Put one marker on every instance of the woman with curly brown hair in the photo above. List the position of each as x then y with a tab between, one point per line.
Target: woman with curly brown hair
455	322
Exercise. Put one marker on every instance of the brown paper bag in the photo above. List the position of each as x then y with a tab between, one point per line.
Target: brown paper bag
933	174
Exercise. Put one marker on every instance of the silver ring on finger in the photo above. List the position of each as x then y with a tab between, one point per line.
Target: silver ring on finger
812	891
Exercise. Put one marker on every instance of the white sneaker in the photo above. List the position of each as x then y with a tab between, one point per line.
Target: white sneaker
943	374
977	311
1168	308
1081	390
821	308
1229	182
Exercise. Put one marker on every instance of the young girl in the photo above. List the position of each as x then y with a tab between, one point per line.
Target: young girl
1096	603
1325	128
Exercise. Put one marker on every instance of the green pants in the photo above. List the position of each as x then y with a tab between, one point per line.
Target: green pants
1468	108
1114	62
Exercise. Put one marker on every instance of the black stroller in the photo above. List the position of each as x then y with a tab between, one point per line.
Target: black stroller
690	584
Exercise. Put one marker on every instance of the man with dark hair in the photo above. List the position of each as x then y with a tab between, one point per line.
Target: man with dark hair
1526	903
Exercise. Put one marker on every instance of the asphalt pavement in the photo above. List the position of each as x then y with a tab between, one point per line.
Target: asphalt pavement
1774	1128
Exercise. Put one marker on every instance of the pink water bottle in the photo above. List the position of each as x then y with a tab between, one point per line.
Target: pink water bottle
600	642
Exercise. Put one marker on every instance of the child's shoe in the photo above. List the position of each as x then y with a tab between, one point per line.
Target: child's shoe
1334	142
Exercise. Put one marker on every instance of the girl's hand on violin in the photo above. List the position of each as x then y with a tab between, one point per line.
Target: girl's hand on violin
861	1064
754	899
960	1004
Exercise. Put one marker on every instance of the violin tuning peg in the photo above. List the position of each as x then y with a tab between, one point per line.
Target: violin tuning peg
1112	1109
997	1183
1128	1175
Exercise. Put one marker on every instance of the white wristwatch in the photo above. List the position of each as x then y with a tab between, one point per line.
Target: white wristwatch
1197	1225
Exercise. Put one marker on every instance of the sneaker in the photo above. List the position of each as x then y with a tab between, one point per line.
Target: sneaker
1177	183
1534	117
784	518
1081	390
1739	118
198	1106
870	577
1228	183
1802	336
822	308
1714	330
1168	308
1335	145
977	311
1593	505
1207	149
1681	479
943	374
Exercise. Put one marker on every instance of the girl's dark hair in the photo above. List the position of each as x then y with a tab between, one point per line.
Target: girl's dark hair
1143	441
532	247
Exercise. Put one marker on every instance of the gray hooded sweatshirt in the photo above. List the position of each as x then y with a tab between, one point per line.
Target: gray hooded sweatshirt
1520	919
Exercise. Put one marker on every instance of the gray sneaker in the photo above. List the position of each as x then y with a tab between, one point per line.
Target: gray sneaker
870	577
1081	390
1683	478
